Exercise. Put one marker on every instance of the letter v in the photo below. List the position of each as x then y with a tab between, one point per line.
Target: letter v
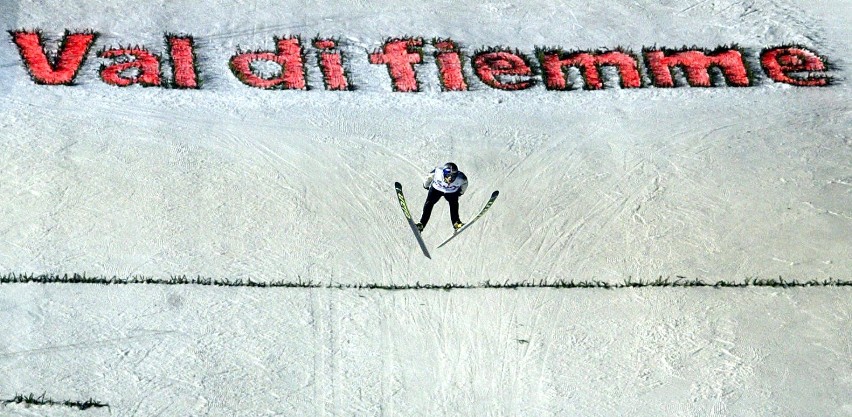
67	62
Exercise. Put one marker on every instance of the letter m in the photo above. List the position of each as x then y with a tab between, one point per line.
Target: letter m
555	65
695	65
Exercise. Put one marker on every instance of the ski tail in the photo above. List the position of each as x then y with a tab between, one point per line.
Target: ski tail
478	216
403	204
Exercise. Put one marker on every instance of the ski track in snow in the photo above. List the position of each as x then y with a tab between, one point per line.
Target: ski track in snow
235	183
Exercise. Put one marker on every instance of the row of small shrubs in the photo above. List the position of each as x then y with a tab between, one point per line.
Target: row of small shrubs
32	400
661	282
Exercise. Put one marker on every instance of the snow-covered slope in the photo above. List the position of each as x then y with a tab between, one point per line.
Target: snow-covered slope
234	182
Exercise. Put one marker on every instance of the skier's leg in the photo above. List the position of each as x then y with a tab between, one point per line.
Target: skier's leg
453	199
432	198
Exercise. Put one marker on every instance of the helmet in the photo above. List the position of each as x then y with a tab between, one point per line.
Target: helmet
450	171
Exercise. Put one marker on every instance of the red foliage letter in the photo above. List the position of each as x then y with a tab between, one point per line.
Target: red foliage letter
490	65
331	65
780	62
400	55
144	65
183	61
63	68
449	66
288	55
555	67
695	65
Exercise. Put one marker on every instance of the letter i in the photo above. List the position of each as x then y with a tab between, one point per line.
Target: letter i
449	66
331	65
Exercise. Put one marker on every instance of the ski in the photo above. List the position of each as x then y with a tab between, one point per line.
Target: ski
404	206
482	212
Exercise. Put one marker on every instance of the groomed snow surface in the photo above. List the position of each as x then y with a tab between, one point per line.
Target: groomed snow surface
236	183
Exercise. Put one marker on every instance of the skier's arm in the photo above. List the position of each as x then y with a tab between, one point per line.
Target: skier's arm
428	182
463	187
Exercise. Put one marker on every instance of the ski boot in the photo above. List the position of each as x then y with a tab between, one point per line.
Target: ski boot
457	226
420	226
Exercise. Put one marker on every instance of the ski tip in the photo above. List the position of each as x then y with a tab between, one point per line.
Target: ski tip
495	194
397	185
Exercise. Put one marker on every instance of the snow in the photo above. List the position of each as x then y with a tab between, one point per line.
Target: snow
232	182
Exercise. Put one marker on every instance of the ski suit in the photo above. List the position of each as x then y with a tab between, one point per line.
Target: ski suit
438	188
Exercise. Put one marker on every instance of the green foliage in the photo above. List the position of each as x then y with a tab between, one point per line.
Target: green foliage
660	282
43	401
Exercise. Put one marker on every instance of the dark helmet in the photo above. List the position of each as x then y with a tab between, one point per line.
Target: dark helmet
450	171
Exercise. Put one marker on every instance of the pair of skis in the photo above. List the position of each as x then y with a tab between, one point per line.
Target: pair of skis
404	205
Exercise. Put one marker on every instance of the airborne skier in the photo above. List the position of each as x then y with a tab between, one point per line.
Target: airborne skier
448	182
443	181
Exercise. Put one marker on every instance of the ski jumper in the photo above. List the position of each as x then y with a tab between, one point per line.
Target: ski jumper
438	188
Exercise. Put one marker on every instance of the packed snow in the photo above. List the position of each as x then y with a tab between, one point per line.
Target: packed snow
235	183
